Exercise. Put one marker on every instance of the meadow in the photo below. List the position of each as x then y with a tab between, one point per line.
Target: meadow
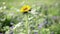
40	17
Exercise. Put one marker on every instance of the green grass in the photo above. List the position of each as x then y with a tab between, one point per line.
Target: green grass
51	7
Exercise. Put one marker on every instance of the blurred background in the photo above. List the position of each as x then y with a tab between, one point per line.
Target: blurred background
44	17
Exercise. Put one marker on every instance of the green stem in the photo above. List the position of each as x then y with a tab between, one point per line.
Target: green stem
26	23
39	31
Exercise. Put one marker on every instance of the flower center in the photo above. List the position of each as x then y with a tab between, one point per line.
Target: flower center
25	8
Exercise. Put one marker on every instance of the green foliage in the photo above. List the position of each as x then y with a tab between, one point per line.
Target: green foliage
44	20
55	28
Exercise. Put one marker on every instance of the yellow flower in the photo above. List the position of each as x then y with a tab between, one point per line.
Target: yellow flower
25	8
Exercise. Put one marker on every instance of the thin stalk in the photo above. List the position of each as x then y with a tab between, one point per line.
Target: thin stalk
26	23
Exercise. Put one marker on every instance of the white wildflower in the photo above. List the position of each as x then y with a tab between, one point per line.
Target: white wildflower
17	25
3	3
30	18
18	10
0	8
3	19
35	30
21	33
11	23
40	14
33	11
4	7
